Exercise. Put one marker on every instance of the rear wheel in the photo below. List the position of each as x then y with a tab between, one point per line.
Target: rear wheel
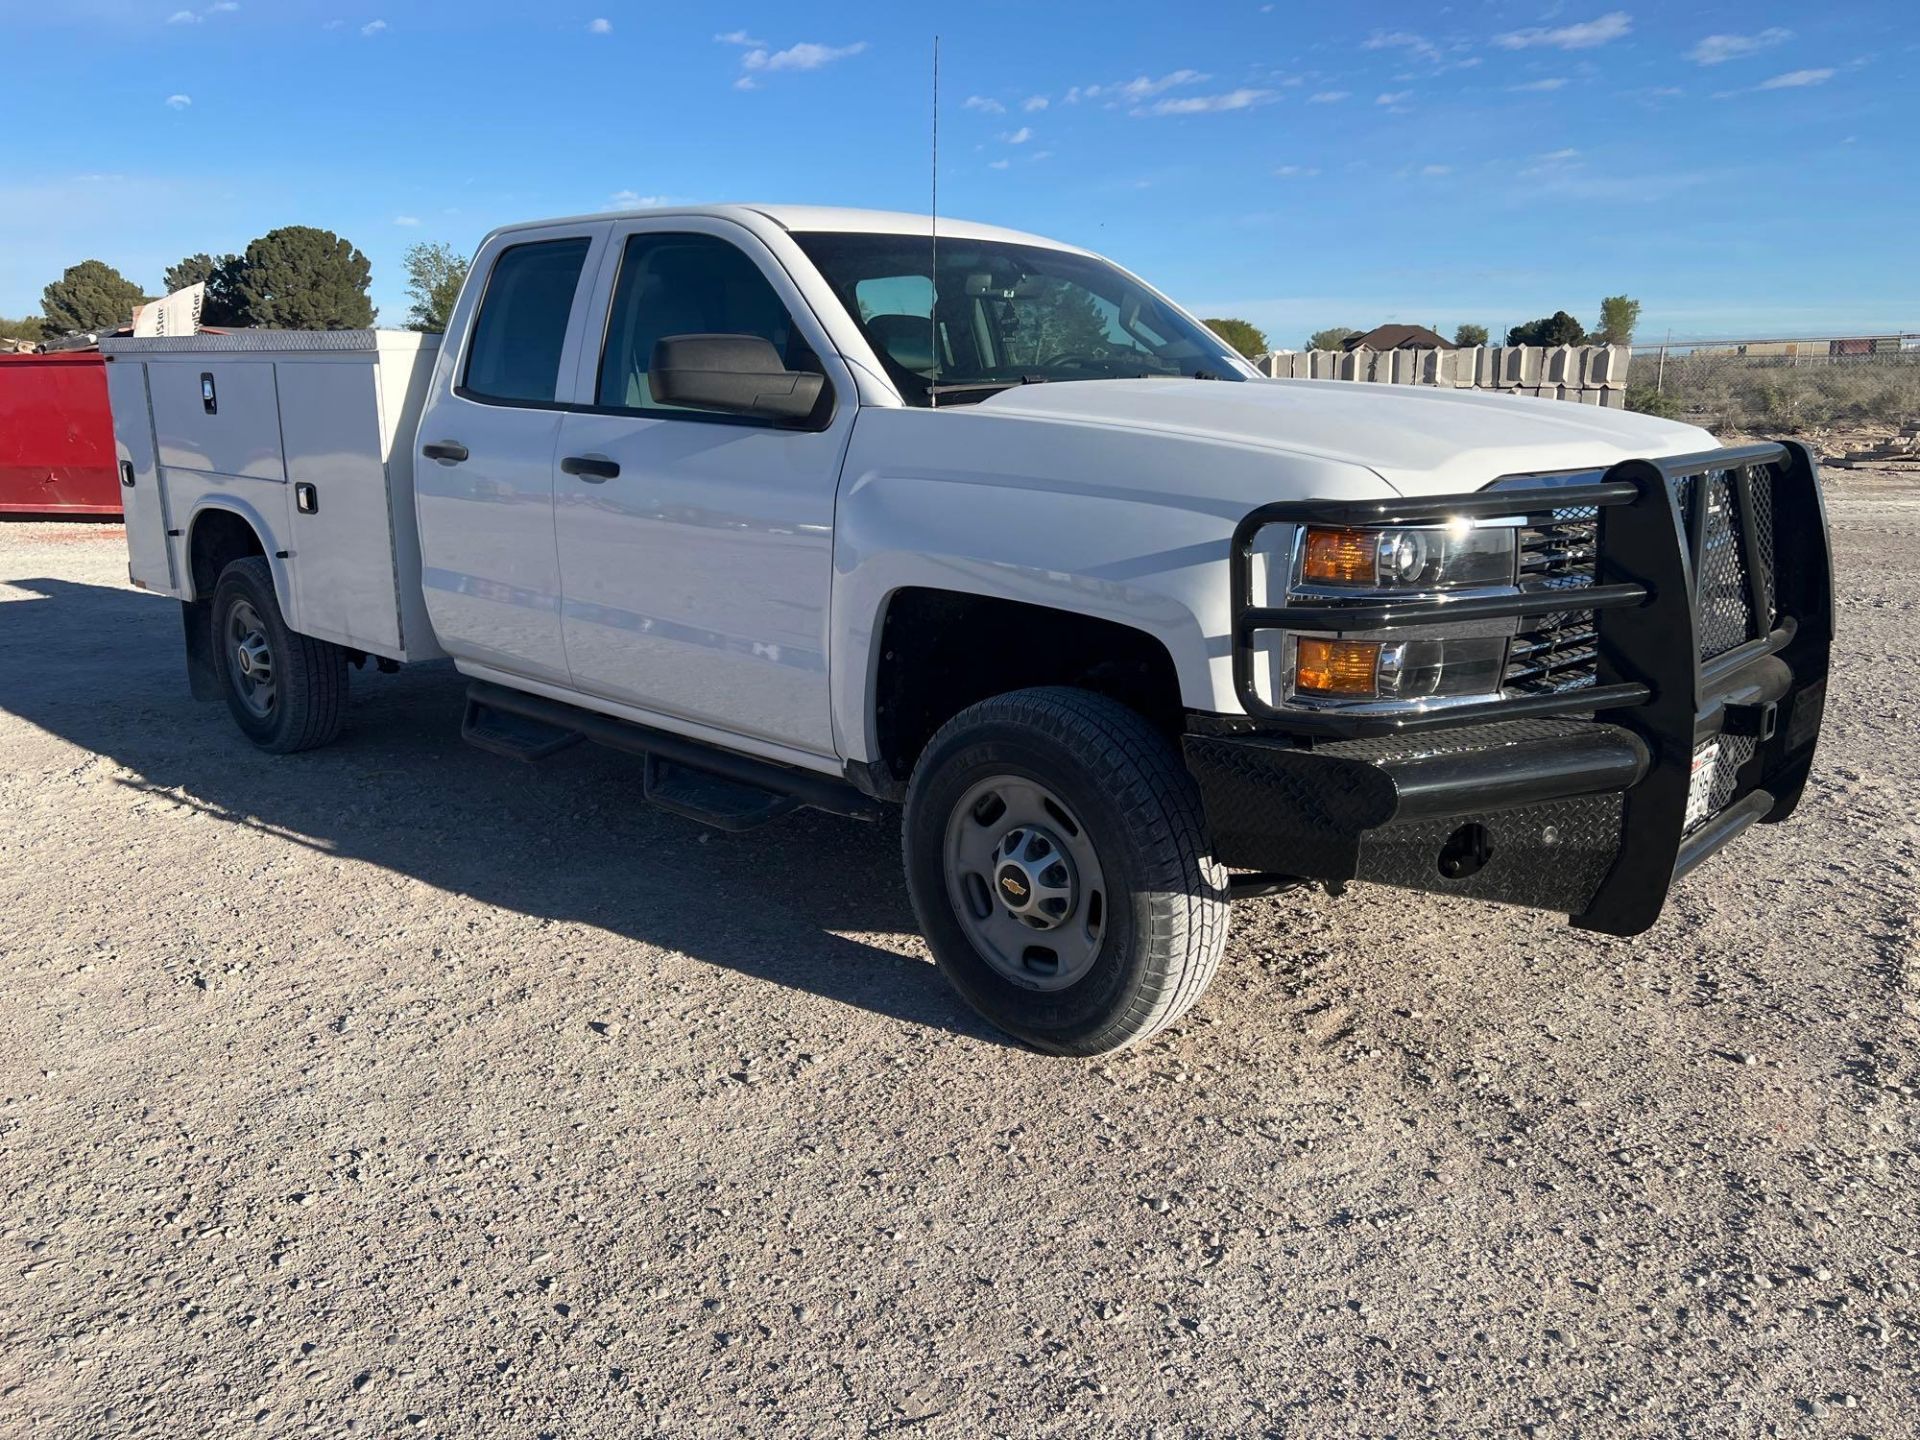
1057	859
286	691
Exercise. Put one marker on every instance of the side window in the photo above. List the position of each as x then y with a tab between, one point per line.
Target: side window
674	284
522	324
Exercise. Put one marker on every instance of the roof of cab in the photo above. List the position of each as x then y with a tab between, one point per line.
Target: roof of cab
808	218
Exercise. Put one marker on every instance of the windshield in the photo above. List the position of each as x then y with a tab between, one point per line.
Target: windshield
1009	315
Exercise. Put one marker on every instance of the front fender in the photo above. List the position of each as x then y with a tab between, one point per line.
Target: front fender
1129	526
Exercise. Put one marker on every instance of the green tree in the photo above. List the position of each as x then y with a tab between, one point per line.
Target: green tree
1468	336
435	274
1330	338
1649	401
300	278
28	327
220	274
1559	328
1618	315
89	296
1242	335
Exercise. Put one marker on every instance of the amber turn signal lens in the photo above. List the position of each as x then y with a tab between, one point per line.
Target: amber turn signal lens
1335	667
1342	557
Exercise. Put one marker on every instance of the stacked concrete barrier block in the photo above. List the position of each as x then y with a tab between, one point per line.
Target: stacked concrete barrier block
1586	374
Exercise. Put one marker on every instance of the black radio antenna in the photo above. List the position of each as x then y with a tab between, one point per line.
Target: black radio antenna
933	237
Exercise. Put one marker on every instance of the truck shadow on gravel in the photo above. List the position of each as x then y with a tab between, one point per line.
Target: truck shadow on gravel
569	839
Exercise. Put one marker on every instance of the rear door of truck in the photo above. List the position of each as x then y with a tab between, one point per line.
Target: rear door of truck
483	459
149	552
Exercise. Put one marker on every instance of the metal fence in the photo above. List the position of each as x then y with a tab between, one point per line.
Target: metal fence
1779	386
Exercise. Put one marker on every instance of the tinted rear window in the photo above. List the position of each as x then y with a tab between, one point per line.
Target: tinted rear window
522	325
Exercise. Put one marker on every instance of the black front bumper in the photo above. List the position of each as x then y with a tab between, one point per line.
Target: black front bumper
1575	801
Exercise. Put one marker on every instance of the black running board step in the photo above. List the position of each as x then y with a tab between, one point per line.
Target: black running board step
712	799
803	787
516	737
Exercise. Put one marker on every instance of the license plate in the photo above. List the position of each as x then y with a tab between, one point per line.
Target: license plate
1706	769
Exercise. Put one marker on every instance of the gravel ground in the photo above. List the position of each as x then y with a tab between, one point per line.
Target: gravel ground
395	1089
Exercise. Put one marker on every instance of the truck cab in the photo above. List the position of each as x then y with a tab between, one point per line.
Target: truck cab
838	508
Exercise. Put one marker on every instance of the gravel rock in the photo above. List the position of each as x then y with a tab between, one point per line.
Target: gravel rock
915	1227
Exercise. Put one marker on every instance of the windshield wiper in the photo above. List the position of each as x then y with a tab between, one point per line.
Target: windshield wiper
981	387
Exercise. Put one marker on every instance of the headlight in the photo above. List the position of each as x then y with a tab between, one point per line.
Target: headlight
1449	557
1362	670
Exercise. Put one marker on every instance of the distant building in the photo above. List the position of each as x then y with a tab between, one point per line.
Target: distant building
1397	337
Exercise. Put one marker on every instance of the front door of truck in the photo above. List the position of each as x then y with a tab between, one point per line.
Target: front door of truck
483	458
696	549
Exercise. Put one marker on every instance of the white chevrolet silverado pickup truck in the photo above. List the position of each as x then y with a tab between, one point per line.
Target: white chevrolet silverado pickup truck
811	507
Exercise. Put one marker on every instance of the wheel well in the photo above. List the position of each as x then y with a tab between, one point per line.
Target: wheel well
219	538
941	650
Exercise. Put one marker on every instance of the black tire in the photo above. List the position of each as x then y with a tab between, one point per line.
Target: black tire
308	700
1165	912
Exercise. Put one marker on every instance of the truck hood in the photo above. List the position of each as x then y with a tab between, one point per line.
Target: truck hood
1420	441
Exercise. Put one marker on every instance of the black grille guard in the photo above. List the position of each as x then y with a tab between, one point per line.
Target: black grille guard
1650	677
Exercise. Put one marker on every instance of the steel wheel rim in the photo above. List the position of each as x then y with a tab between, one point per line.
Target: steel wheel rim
250	659
1009	834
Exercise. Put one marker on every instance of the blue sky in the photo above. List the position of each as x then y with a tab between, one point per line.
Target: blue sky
1742	168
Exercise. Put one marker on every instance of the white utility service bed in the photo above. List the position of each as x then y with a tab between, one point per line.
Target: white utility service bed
307	433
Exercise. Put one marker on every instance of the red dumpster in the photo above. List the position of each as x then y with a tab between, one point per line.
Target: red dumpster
56	436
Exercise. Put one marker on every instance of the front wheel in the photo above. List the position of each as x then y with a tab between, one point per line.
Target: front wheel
285	690
1058	863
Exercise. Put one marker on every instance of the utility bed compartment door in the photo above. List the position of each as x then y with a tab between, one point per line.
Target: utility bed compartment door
217	415
143	498
338	527
149	553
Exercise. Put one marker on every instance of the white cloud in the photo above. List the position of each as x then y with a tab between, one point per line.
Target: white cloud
179	102
1296	172
408	220
1555	82
1019	137
998	164
1406	40
1394	97
1141	87
373	27
1329	97
1244	99
1718	49
1034	102
600	26
1583	36
1436	171
739	37
198	17
634	200
805	56
1794	79
984	104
